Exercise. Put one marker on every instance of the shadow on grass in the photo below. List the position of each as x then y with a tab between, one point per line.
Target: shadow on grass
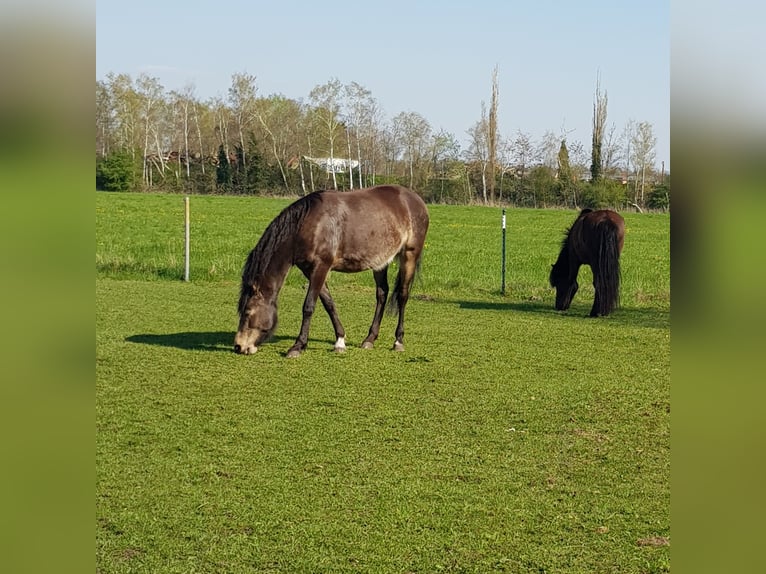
220	341
632	316
138	271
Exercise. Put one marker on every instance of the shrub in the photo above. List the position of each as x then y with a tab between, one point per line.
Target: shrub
115	172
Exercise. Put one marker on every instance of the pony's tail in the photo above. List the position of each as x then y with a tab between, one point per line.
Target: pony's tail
396	297
608	280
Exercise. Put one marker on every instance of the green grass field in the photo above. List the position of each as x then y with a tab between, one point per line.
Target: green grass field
508	437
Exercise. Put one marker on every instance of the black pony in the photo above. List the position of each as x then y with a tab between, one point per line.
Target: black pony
595	239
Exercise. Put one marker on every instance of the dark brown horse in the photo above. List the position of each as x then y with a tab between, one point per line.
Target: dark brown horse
595	239
332	231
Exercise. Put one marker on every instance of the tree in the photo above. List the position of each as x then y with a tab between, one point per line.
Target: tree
326	101
223	177
126	114
279	118
547	152
150	92
642	146
492	136
478	150
361	108
444	151
611	153
599	123
415	132
104	119
565	177
242	100
184	101
115	172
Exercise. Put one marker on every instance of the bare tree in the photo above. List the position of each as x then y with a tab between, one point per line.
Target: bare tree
611	152
643	145
390	145
578	159
184	102
127	112
361	107
444	152
104	118
222	115
548	149
415	132
326	100
150	94
492	136
279	118
599	125
522	153
478	149
242	94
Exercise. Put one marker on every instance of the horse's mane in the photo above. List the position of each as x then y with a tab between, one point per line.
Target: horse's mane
282	229
568	231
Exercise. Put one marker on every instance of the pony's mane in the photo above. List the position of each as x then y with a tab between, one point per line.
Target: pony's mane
568	231
282	229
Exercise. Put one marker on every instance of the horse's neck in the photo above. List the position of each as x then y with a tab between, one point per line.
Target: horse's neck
276	272
563	259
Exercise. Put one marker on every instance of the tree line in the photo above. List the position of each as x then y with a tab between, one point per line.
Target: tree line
148	138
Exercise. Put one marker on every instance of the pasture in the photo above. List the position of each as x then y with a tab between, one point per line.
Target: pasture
507	437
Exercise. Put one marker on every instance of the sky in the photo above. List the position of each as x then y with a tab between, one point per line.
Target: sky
433	57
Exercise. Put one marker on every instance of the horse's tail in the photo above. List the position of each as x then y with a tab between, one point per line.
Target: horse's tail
608	279
396	296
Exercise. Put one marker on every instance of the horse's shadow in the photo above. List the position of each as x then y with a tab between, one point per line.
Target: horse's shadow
215	341
638	317
526	306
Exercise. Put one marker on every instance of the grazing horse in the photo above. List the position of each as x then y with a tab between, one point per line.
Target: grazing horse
595	239
333	231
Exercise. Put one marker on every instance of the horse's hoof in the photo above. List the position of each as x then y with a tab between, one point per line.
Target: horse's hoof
339	349
293	354
399	347
367	345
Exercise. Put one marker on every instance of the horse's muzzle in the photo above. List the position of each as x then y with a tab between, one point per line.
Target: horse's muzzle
249	350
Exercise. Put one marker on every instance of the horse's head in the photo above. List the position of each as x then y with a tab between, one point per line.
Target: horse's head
565	286
257	320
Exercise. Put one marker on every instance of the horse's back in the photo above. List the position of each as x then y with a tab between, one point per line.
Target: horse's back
591	227
365	228
593	219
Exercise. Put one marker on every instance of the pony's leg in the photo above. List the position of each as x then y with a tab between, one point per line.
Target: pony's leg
316	282
596	309
381	296
329	306
408	266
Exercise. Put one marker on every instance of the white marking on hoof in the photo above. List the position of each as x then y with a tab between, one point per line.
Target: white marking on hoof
340	345
293	354
367	345
398	346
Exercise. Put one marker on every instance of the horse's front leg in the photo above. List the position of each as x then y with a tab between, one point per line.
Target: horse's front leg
381	295
329	306
316	282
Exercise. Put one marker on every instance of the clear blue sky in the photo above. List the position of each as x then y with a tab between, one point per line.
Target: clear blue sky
434	57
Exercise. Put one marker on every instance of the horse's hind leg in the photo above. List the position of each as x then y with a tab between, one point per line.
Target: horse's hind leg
408	266
596	309
381	295
329	306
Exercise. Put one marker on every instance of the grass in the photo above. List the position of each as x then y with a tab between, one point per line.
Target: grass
507	437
